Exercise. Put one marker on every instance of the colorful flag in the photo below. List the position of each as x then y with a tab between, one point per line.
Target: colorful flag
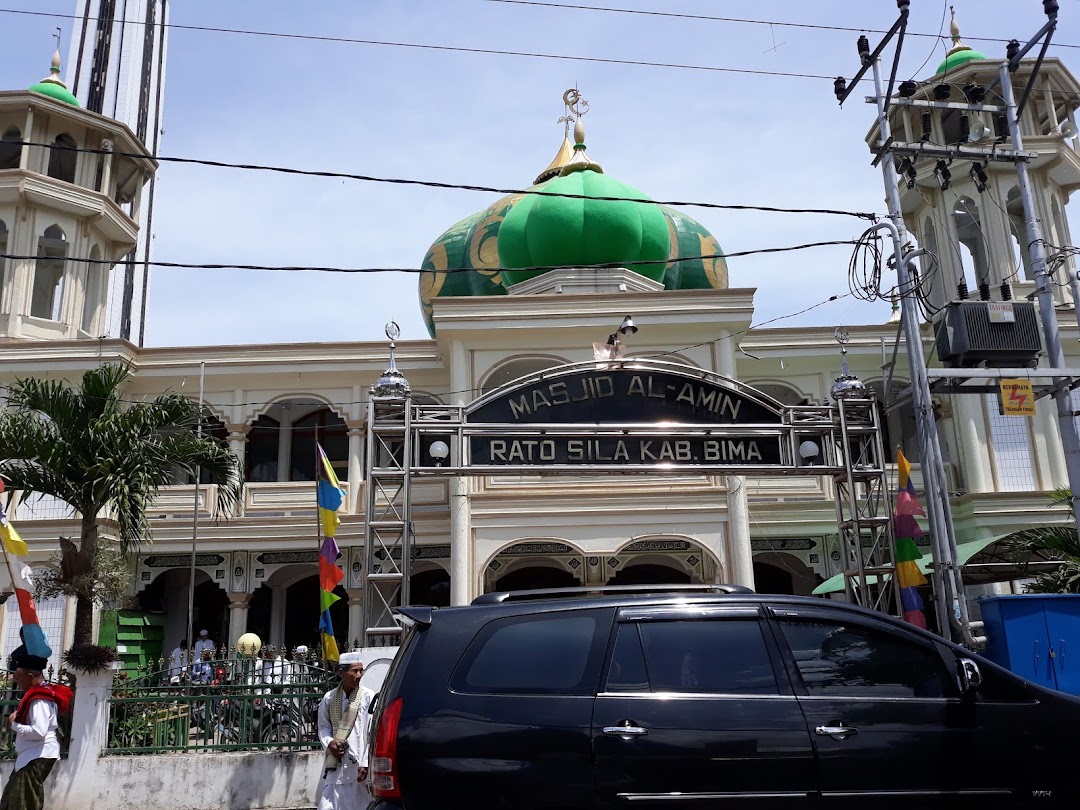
33	636
330	497
907	554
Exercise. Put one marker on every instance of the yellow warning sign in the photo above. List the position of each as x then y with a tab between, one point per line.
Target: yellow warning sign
1017	398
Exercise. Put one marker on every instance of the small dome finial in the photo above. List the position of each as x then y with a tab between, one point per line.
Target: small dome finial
55	62
954	31
579	134
578	106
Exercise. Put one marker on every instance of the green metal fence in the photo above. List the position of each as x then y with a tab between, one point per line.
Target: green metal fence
222	705
9	699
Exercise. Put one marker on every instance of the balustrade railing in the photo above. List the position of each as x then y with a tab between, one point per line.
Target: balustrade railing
235	704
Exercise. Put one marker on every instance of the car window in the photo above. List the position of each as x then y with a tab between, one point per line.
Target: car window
695	655
626	672
851	660
544	654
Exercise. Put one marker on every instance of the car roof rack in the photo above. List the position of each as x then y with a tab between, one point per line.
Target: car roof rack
498	597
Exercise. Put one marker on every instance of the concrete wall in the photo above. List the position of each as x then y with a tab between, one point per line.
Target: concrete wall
85	780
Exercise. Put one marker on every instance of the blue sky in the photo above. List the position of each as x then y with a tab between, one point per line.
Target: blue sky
491	120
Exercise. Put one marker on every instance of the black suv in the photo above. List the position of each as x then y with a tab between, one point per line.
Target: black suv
701	697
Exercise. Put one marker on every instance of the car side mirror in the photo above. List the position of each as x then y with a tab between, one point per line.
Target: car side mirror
969	675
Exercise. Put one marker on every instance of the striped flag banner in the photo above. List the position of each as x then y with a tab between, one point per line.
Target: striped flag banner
33	636
330	497
907	555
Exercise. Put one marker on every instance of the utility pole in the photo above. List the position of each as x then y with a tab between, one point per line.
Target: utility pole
950	603
1070	441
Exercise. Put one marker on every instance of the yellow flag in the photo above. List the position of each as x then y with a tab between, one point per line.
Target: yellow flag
12	542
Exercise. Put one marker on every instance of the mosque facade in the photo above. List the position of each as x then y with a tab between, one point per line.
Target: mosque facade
498	316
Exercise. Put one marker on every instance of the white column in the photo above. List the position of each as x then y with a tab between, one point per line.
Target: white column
739	568
1050	456
974	436
356	616
277	616
238	614
284	445
356	466
462	576
238	438
739	562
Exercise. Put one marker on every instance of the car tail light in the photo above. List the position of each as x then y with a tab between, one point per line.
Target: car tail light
385	783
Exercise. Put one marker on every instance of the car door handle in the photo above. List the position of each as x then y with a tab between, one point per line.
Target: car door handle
625	728
836	732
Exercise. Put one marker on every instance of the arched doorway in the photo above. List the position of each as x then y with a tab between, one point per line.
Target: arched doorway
302	615
649	574
784	573
772	579
531	577
168	593
430	587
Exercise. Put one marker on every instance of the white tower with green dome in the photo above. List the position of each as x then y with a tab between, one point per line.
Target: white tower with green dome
969	215
65	215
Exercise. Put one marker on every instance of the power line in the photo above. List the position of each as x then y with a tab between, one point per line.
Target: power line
448	271
742	20
451	48
220	164
226	405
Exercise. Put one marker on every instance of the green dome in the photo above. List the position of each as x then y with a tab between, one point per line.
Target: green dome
468	248
51	85
57	91
958	58
690	238
577	232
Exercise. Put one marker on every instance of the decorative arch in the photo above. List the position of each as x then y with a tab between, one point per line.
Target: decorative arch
514	368
63	159
780	390
302	398
680	552
792	575
47	291
92	289
555	554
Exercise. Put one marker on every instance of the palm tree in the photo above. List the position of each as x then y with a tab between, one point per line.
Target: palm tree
1042	544
92	449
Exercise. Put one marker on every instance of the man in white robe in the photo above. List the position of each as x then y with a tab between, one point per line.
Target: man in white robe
344	785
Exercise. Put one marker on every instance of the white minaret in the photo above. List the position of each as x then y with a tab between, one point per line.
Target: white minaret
116	66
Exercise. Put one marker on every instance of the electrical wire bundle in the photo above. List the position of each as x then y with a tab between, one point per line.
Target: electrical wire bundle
865	275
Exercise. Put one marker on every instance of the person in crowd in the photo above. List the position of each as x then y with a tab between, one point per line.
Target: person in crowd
202	671
178	659
343	726
34	724
204	643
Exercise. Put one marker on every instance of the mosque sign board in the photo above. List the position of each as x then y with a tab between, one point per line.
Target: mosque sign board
626	415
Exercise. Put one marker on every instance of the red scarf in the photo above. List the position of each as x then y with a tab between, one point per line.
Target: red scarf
52	692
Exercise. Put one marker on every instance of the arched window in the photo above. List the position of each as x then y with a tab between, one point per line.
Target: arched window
934	278
516	368
1018	228
10	148
3	261
92	289
783	393
212	428
261	453
969	232
48	290
63	158
332	434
